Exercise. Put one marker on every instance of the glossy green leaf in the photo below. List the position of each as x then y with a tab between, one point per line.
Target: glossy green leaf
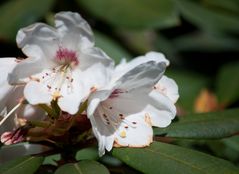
83	167
227	86
15	14
232	142
52	159
203	126
134	13
207	18
89	153
190	85
11	152
160	158
27	164
228	5
205	42
113	49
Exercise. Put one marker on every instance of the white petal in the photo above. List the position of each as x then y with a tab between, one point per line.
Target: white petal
37	93
38	35
24	111
72	97
24	70
95	99
168	87
159	117
140	134
143	76
161	110
103	132
95	77
93	55
74	29
162	102
6	66
124	67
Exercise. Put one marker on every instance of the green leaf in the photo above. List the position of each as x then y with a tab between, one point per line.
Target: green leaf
15	14
206	42
90	153
228	84
52	159
134	13
83	167
232	142
11	152
229	5
190	85
27	164
207	18
203	126
113	49
165	158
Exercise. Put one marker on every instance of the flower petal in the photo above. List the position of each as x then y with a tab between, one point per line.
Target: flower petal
143	76
24	70
95	77
72	96
24	111
40	37
103	132
168	87
93	55
6	66
124	66
74	29
36	93
139	134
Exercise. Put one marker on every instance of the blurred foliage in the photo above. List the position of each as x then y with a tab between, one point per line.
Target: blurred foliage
201	39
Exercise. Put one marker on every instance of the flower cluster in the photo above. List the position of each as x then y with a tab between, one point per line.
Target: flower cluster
65	79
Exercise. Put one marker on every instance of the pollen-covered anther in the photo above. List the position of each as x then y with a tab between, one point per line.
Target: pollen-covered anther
123	134
56	95
66	56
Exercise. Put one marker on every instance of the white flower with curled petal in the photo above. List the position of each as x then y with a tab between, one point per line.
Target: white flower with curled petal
62	62
123	113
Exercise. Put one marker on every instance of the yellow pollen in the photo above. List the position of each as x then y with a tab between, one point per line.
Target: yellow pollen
123	134
56	95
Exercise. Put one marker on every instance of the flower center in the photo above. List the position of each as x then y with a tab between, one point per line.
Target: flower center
66	56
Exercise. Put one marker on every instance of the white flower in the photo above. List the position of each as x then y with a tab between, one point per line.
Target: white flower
10	98
62	62
123	113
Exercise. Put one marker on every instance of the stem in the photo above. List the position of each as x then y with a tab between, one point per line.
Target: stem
55	108
10	113
82	107
48	109
42	124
